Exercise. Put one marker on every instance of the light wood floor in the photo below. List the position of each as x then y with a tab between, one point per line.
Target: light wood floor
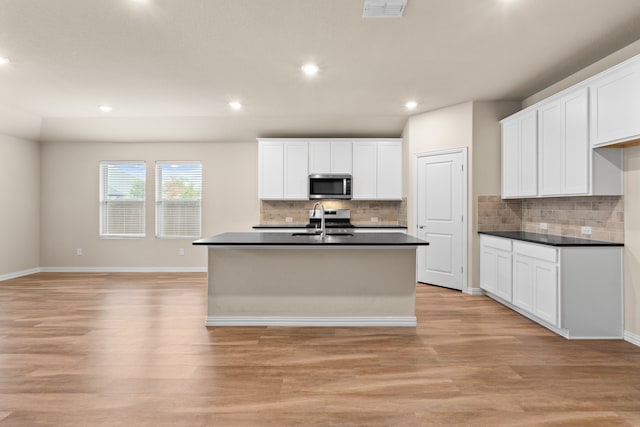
132	350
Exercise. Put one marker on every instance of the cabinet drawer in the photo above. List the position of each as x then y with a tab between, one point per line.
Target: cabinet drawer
496	242
533	250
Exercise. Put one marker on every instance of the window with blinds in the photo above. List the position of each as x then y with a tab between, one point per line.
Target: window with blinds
122	195
178	199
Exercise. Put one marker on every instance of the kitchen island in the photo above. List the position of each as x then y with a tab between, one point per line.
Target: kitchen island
303	279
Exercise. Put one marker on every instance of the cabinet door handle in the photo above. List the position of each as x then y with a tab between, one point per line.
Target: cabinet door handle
421	227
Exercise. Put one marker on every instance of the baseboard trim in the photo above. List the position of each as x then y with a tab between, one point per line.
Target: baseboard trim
123	269
472	291
632	338
17	274
409	321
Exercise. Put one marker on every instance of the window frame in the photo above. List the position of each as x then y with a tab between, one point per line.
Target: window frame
104	202
159	201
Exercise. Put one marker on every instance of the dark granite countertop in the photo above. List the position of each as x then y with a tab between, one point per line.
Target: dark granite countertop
548	239
288	225
286	239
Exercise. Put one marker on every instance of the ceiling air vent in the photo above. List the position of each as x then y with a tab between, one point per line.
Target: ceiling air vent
383	8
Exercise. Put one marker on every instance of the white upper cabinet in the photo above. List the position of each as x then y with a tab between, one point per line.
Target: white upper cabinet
341	157
519	155
377	170
296	170
389	170
364	182
615	105
550	148
573	127
330	157
319	157
271	170
576	155
283	170
284	166
563	144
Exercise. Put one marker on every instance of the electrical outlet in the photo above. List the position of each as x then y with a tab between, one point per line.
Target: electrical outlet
544	226
79	251
181	251
374	219
585	230
288	219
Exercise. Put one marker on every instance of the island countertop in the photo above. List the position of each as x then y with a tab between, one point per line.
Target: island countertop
309	239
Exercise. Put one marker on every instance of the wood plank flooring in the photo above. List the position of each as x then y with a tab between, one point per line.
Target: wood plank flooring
132	350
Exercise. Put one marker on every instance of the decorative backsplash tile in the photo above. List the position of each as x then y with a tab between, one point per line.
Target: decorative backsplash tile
564	216
387	212
495	214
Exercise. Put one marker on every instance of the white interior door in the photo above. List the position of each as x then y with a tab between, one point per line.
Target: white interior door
440	218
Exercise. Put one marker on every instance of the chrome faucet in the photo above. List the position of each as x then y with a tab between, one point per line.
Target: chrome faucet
322	225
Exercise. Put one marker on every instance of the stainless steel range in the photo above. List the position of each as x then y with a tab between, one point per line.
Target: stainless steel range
338	220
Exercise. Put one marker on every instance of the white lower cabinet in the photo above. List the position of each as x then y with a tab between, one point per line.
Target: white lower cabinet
575	291
495	261
535	280
535	287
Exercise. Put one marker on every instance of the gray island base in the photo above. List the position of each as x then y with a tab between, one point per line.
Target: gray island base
267	279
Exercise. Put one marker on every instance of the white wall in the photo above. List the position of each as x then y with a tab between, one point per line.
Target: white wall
20	206
473	125
70	216
450	127
486	170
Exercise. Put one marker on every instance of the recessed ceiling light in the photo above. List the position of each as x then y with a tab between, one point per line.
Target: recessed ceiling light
235	105
4	61
105	108
310	69
411	105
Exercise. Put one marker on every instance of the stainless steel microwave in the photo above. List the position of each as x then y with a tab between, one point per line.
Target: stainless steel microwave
330	186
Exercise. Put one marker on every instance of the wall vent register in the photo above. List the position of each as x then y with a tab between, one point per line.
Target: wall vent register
383	8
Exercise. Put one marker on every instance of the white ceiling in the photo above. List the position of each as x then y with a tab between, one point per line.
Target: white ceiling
170	67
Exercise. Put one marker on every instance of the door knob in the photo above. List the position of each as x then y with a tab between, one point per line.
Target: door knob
421	227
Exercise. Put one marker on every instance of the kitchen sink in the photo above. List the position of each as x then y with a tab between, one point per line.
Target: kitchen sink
315	233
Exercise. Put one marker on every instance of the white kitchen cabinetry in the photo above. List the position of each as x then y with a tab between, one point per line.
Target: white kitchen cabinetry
615	105
389	170
283	170
580	135
575	291
567	164
271	170
364	170
284	166
296	170
330	157
563	143
535	280
377	170
519	155
495	261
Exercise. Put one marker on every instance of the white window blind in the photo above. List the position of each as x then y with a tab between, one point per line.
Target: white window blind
122	192
178	199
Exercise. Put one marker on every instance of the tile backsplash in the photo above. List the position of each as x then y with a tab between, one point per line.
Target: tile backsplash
564	216
388	212
495	214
